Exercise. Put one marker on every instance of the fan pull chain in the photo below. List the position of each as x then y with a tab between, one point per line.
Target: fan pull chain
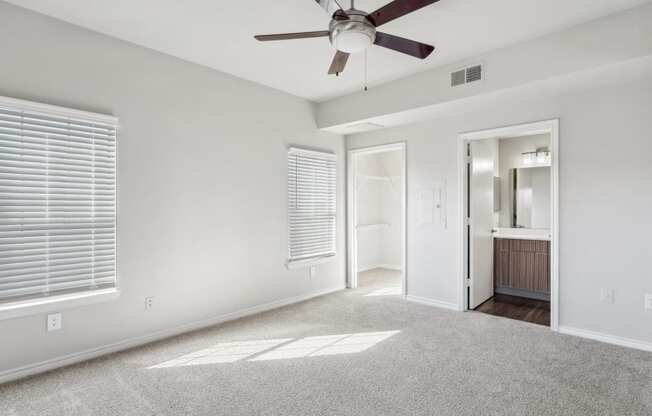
365	70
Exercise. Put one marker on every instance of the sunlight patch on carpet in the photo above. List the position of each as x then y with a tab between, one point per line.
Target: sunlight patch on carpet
225	352
386	291
277	349
327	345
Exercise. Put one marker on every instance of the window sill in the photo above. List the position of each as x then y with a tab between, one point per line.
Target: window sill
56	303
300	264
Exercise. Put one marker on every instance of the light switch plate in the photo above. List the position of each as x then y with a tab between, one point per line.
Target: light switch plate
608	296
54	322
313	271
648	302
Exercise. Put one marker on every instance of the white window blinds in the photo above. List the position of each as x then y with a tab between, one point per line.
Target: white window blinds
311	203
57	203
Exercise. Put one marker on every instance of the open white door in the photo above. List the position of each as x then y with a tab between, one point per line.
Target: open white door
481	198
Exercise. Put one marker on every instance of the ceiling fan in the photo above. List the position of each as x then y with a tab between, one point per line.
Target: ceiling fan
353	30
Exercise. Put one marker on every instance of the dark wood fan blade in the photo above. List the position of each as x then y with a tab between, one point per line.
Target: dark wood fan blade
287	36
407	46
396	9
339	62
333	8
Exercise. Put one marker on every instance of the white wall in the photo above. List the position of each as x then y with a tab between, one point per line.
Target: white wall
605	200
202	183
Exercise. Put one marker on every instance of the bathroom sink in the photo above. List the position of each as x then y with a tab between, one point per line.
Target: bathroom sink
522	233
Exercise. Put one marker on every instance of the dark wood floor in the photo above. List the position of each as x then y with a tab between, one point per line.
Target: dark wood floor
522	309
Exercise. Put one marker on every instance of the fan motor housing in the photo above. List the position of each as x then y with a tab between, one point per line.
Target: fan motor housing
353	35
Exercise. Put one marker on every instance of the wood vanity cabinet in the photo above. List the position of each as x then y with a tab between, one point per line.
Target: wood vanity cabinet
521	266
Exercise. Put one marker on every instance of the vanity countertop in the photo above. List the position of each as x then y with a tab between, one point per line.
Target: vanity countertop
522	233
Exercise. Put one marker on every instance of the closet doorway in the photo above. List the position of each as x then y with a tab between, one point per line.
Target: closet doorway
376	219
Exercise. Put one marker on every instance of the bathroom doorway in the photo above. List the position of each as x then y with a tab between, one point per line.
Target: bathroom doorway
376	219
509	200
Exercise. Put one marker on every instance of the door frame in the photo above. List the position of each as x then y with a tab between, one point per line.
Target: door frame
540	127
351	211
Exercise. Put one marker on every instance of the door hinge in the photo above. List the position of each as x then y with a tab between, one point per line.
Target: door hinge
468	282
467	221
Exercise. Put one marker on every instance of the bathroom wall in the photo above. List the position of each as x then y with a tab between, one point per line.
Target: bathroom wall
539	183
510	157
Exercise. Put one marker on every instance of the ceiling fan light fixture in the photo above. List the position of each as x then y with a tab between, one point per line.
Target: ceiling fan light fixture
352	36
352	31
353	41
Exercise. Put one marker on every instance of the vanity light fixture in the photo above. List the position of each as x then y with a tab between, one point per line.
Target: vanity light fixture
529	158
539	157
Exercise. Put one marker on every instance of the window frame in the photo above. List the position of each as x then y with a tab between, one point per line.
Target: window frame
317	259
46	304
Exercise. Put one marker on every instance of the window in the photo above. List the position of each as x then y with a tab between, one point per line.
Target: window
311	205
57	202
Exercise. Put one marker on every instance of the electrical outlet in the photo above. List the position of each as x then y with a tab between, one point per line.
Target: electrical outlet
54	322
313	271
608	296
648	302
149	303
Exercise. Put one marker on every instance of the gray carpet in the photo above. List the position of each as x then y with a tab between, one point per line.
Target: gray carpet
351	354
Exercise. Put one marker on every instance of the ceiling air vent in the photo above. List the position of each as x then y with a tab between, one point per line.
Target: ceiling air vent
473	73
458	78
466	75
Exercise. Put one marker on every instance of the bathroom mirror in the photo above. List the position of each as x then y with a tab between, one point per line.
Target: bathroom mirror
530	197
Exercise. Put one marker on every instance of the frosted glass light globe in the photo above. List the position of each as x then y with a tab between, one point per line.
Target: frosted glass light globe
352	41
353	35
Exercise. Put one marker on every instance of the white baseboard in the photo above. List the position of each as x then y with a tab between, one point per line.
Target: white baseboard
380	266
391	266
433	302
51	364
609	339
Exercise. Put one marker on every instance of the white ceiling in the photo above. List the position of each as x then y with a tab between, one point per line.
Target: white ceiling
219	34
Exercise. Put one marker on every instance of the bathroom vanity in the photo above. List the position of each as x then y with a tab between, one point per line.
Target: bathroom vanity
522	250
522	262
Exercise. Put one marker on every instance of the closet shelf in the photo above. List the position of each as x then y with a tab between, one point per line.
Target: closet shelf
366	179
373	226
376	178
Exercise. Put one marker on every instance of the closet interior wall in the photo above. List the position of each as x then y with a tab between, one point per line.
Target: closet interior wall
379	211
